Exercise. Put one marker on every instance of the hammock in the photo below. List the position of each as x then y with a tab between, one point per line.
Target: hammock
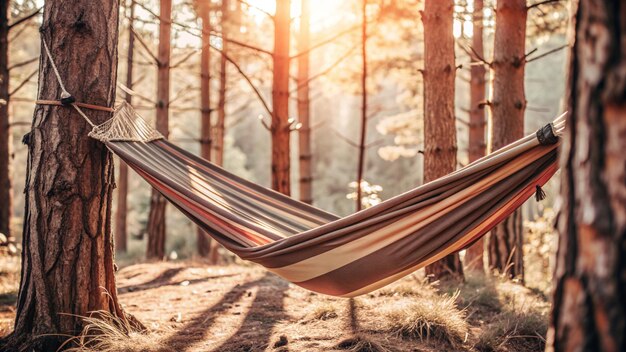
317	250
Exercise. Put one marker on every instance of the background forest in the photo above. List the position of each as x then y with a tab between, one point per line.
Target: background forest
394	138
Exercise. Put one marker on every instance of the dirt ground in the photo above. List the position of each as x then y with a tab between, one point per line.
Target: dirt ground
190	306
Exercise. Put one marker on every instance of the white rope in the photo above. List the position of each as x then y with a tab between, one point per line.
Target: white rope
64	93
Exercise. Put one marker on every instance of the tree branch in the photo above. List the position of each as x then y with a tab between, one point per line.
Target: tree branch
145	46
529	53
375	143
20	123
24	82
135	94
326	71
540	3
549	52
326	41
474	56
25	18
186	57
243	74
23	63
256	8
189	30
346	139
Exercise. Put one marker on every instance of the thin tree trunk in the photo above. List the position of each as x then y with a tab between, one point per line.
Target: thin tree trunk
220	125
439	121
280	128
121	237
156	218
508	103
67	258
203	239
6	190
361	164
474	255
589	311
304	109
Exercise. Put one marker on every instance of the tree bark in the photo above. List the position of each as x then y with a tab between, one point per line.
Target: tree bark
203	240
121	236
220	125
506	123
304	109
6	189
589	311
474	256
156	218
439	120
280	128
361	158
67	258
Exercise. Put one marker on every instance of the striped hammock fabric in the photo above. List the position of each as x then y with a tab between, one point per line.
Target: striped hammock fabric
322	252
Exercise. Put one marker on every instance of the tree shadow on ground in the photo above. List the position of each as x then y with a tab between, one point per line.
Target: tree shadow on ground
165	280
265	311
161	279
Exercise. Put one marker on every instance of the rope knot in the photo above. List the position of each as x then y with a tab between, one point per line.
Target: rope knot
67	99
546	135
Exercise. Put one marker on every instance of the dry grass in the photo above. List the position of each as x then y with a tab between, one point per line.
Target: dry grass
514	331
361	343
436	320
9	285
104	332
323	311
511	317
406	289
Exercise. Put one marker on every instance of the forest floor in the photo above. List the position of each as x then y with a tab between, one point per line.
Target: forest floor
190	306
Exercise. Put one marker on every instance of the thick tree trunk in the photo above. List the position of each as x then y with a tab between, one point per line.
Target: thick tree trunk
439	121
203	239
474	255
67	259
361	158
121	236
6	190
589	311
156	218
304	109
506	123
280	128
220	124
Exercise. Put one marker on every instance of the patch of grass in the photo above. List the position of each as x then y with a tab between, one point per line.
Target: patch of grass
435	320
479	291
514	331
104	332
361	343
403	289
323	311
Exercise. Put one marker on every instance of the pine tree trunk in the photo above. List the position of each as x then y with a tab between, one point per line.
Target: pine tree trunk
439	121
220	125
361	158
474	254
280	128
508	103
67	259
121	236
156	218
203	240
6	190
304	109
589	311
